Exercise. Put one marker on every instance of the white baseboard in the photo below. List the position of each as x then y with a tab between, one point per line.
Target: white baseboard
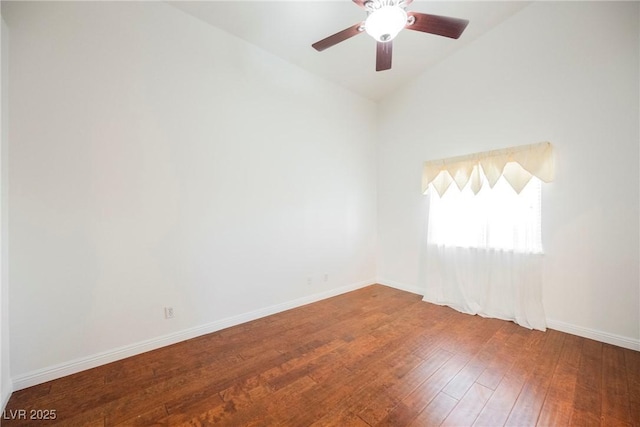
401	286
605	337
58	371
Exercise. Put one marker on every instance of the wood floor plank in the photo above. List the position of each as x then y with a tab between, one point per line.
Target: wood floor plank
512	380
376	356
479	364
504	358
379	408
464	380
387	395
283	405
527	407
492	337
32	396
632	363
436	412
468	408
415	403
412	403
558	404
584	419
587	400
615	389
145	419
373	399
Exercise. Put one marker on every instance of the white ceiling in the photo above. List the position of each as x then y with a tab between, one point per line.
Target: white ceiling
288	28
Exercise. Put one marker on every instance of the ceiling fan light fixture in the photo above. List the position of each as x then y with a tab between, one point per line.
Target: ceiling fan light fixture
385	23
385	19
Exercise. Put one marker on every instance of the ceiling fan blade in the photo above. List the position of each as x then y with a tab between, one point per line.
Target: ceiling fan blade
383	56
337	38
439	25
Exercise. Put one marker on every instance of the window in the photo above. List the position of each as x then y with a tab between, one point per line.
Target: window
495	218
484	242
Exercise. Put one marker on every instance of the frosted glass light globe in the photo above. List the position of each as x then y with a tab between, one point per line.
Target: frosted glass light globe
385	23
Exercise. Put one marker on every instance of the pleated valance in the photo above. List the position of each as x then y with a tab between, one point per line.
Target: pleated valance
516	164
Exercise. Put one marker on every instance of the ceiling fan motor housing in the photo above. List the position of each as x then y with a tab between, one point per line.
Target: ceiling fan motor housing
385	19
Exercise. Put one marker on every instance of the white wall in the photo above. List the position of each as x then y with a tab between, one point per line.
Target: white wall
5	374
157	161
564	72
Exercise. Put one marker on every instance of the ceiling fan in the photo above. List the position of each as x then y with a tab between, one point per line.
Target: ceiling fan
385	19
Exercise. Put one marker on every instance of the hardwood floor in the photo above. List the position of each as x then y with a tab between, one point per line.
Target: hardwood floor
373	357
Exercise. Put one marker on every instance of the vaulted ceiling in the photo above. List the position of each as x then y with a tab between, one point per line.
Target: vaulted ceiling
288	28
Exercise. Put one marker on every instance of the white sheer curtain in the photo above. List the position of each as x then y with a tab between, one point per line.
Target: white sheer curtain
490	283
484	250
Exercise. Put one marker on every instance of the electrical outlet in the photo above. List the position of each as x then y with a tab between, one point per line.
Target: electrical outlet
168	312
326	277
309	281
